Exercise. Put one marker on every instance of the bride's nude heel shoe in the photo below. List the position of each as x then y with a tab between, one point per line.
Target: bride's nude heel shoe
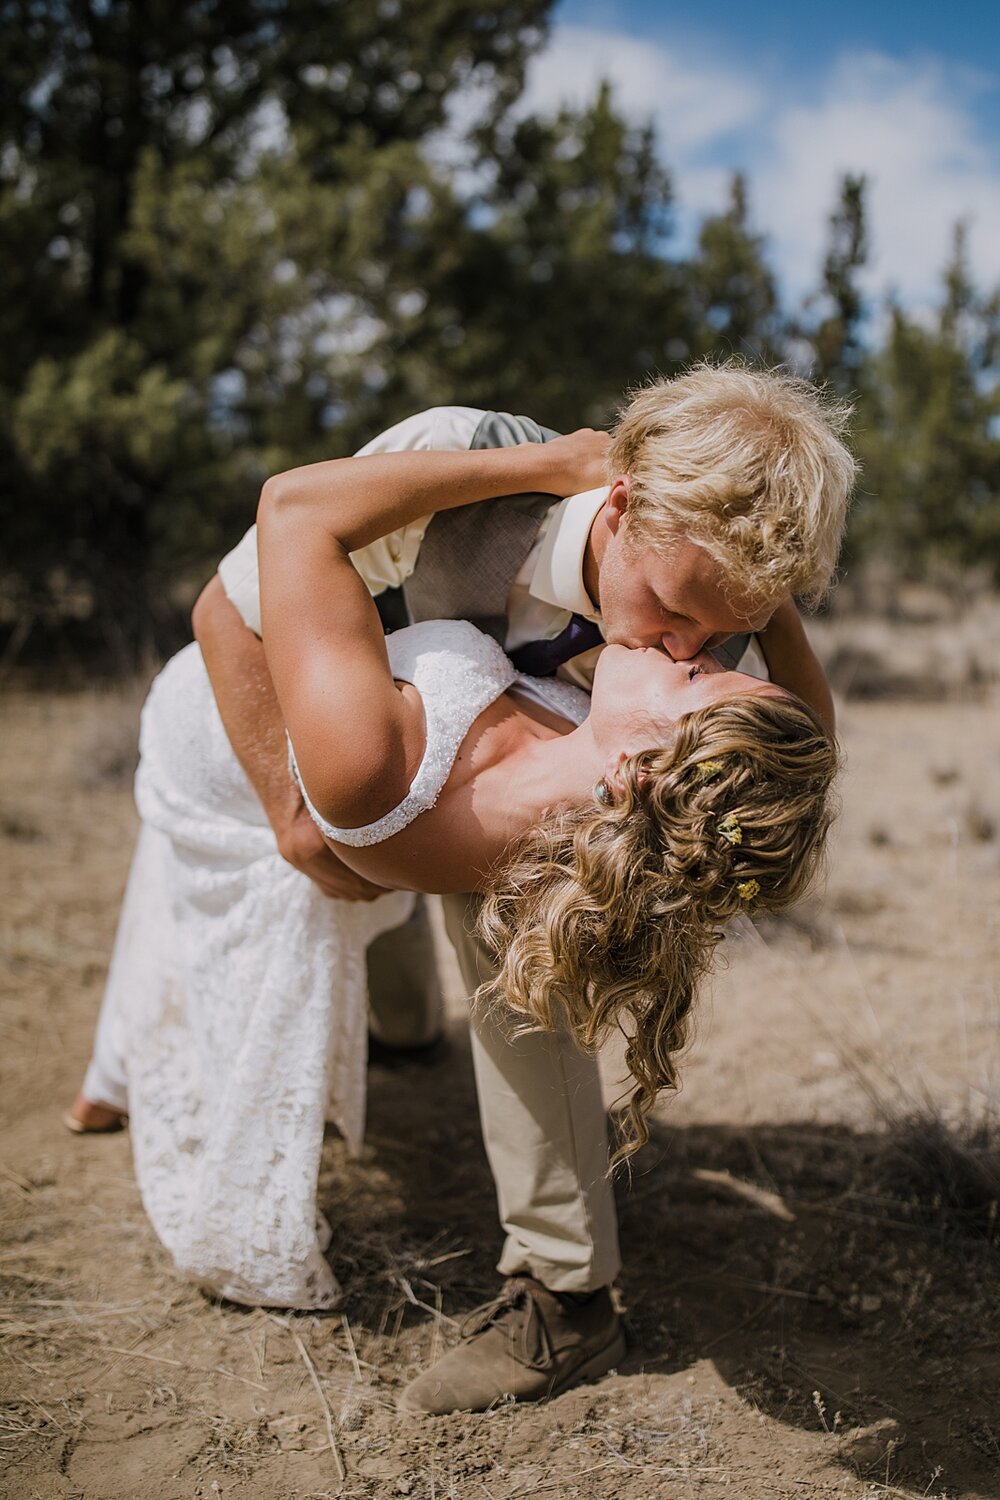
90	1118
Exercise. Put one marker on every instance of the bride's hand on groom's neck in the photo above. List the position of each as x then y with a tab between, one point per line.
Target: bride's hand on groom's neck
572	464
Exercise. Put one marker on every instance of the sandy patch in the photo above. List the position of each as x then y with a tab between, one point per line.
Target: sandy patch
806	1317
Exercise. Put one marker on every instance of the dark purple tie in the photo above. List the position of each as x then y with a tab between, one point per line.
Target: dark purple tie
541	658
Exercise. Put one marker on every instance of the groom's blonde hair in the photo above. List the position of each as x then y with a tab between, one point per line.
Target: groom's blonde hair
749	464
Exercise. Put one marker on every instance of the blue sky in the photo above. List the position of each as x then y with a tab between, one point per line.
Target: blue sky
796	94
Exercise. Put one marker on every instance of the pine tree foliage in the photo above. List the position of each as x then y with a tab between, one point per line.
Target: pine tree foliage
835	338
929	433
556	294
734	292
244	234
199	202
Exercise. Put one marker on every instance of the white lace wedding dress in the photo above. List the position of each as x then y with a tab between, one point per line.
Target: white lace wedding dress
236	1003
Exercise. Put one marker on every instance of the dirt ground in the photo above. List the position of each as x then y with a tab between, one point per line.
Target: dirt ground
811	1242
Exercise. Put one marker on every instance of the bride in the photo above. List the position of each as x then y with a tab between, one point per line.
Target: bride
611	837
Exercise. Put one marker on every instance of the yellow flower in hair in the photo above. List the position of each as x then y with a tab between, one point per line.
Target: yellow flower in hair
748	890
709	769
730	829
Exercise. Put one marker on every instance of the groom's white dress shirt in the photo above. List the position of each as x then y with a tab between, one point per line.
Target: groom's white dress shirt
546	592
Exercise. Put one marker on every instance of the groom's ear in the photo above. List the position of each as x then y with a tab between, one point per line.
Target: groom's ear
617	502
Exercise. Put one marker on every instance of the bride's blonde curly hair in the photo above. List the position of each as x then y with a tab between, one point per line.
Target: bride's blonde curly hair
606	917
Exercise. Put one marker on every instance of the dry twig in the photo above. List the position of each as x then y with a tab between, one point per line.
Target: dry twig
771	1203
327	1413
345	1322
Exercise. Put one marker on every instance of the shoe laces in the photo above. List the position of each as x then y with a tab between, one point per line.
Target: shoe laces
515	1310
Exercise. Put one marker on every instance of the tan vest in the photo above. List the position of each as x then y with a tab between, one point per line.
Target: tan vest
470	556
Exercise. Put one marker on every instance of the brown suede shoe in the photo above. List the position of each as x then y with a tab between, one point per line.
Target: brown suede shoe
529	1343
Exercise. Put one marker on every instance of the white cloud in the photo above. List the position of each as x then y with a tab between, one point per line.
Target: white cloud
692	102
909	129
908	125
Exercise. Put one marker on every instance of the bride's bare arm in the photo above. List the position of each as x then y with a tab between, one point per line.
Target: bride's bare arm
357	736
362	499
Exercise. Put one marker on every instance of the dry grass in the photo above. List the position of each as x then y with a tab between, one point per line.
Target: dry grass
237	1447
786	1234
106	751
946	1171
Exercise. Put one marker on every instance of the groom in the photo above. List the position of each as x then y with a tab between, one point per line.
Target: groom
728	495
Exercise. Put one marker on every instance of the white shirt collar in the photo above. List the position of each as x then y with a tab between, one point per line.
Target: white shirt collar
558	575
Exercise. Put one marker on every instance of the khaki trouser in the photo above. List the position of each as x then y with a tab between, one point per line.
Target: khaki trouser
545	1132
405	1004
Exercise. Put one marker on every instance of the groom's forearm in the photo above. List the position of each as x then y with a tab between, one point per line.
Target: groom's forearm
237	669
792	663
251	716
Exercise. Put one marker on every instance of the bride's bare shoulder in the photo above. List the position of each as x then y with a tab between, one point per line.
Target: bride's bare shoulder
362	772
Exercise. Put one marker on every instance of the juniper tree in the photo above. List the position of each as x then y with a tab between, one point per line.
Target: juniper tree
196	201
928	432
733	289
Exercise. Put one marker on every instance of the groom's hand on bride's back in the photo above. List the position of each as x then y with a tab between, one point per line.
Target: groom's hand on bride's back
302	845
